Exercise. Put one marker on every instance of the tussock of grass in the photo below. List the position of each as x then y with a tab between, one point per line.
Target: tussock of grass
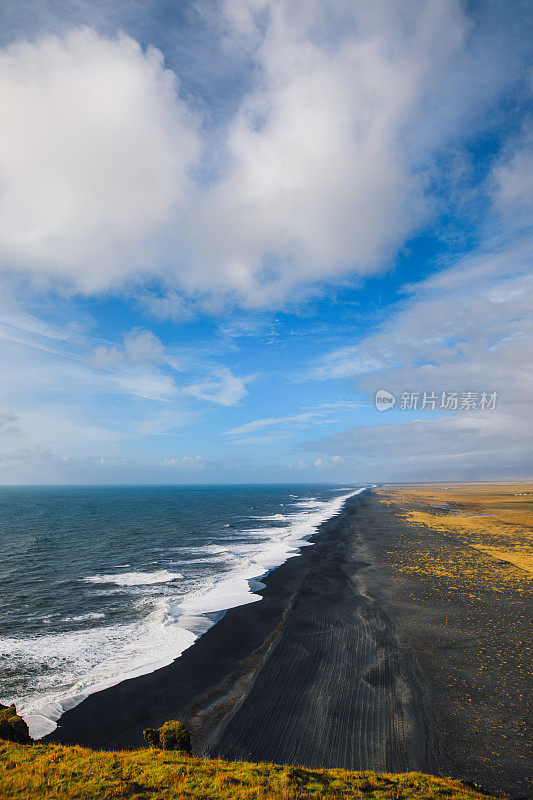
54	772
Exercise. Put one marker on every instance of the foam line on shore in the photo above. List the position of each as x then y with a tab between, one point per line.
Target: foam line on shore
171	628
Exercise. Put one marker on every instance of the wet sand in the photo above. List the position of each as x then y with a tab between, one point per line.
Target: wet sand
332	668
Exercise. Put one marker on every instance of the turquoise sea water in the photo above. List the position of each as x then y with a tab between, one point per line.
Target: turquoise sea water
98	584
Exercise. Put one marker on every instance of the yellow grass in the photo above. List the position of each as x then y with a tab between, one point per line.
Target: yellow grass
495	519
473	577
54	772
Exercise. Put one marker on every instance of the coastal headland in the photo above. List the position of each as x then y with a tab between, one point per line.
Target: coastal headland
390	645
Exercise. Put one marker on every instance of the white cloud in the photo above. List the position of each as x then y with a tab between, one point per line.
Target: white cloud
221	387
140	346
299	420
198	462
324	170
8	425
136	366
463	447
20	323
319	181
512	178
59	390
95	145
465	329
332	153
150	385
324	463
316	416
170	305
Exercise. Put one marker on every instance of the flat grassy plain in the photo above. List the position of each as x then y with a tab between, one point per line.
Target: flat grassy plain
55	772
460	559
496	519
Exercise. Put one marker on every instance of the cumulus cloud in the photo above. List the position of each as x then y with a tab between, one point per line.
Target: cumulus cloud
318	178
140	346
323	168
198	462
333	157
141	366
136	366
95	148
326	463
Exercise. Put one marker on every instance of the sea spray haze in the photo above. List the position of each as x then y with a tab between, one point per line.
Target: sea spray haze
103	583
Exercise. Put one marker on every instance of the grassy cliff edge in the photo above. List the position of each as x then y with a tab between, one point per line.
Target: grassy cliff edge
71	773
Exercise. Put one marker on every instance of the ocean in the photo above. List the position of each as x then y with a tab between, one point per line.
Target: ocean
100	584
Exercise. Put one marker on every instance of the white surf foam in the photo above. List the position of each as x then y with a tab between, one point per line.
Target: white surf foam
280	544
136	578
76	664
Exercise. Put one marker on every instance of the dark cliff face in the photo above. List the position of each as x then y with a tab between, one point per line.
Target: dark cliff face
12	726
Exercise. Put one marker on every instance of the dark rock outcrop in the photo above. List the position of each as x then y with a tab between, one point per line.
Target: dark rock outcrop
12	726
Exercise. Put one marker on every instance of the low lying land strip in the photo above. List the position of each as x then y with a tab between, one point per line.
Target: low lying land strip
460	564
494	518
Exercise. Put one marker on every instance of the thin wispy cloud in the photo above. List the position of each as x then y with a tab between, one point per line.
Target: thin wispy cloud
304	419
457	448
466	330
221	387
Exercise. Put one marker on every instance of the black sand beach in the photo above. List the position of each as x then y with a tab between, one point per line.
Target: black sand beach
343	663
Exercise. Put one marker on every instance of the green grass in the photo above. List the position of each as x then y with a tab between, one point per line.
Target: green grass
54	772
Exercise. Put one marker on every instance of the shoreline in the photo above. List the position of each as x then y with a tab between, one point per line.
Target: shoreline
275	593
334	667
318	652
191	616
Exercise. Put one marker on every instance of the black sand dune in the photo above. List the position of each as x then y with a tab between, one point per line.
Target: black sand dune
322	672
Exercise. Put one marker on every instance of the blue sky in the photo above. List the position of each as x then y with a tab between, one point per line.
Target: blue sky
225	225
